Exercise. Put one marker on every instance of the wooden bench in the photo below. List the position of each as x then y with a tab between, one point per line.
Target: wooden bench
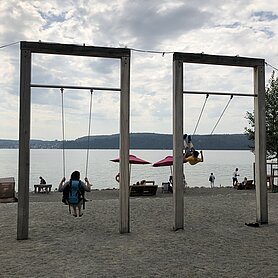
148	188
42	188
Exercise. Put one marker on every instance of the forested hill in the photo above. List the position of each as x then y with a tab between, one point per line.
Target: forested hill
141	141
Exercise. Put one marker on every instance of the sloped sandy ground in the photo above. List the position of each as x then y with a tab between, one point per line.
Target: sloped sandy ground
214	243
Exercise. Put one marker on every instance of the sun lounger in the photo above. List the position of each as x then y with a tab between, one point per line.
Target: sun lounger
249	185
148	188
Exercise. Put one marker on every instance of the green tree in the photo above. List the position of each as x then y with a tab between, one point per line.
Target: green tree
271	109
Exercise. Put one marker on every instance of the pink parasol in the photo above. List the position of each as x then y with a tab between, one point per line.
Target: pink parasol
167	161
133	160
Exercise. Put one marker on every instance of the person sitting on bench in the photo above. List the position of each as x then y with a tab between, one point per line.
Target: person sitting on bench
242	184
42	180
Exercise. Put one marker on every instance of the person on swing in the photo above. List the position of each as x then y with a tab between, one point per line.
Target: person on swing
73	190
190	154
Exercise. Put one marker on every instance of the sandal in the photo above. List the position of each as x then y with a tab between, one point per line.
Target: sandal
255	224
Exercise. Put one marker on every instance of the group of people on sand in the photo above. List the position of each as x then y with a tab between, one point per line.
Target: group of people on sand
190	155
236	183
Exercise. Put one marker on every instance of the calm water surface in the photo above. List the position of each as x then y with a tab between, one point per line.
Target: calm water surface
101	171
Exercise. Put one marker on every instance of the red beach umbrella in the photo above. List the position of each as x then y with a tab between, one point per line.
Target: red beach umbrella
133	160
167	161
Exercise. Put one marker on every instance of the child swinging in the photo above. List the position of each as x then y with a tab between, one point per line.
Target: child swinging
190	154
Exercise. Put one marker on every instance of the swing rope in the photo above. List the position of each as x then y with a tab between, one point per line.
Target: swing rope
201	113
222	114
63	132
89	133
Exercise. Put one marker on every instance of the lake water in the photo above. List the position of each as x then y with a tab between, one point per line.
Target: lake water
101	171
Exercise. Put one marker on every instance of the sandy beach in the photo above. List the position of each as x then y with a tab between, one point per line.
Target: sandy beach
215	241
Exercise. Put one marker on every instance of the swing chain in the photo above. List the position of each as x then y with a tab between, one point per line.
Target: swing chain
231	97
63	131
202	110
89	133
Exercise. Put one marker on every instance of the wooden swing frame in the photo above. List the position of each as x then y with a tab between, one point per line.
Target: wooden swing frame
258	66
27	49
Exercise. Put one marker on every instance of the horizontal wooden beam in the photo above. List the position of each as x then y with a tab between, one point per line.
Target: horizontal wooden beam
42	86
218	60
75	50
220	93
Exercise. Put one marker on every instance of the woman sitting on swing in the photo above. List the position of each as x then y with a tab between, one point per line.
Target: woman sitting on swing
73	192
190	154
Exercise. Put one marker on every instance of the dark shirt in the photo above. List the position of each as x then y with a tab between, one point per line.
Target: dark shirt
43	181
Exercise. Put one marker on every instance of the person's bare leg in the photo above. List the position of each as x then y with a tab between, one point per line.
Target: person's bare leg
188	146
79	209
74	211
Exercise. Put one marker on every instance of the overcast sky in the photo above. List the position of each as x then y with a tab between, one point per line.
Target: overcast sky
244	28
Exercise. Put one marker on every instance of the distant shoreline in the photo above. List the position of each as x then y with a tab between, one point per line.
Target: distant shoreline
139	141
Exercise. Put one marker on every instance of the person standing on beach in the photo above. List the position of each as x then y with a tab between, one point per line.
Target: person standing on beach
190	154
211	179
235	175
74	188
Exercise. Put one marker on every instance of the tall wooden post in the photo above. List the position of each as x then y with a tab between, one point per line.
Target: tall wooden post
260	145
124	226
24	140
178	186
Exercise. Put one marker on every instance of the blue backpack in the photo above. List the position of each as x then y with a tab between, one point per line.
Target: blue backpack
75	194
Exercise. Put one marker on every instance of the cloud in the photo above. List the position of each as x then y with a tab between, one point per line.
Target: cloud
153	22
244	28
265	16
